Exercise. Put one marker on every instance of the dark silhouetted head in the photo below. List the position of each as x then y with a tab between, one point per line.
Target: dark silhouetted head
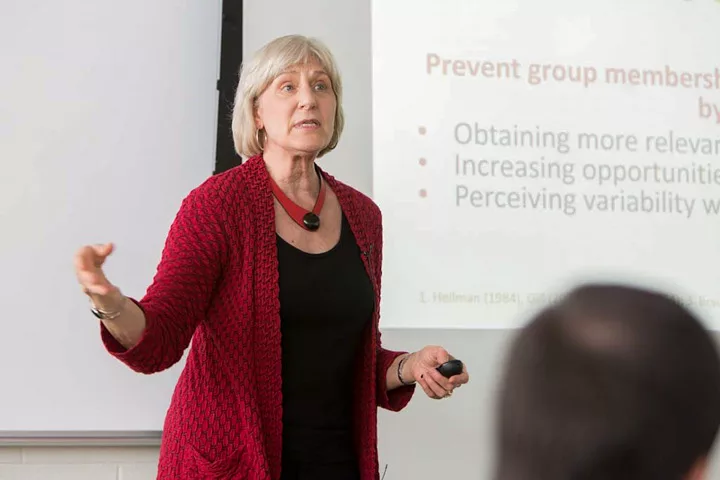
609	383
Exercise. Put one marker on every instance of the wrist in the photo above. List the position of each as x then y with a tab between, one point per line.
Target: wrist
406	369
104	312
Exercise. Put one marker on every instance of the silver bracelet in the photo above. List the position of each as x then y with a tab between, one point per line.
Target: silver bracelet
399	371
105	314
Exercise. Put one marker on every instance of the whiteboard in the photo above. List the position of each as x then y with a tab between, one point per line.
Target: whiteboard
542	144
107	121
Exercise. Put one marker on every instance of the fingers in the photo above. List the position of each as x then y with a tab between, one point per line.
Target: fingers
91	256
431	388
426	388
88	262
443	356
438	353
93	283
443	382
98	253
461	379
102	251
435	385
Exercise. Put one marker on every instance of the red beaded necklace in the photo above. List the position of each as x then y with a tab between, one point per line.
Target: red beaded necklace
309	220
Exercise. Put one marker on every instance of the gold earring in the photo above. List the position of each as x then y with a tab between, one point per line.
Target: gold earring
257	137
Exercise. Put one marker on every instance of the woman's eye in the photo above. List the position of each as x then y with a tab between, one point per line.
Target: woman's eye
286	88
320	86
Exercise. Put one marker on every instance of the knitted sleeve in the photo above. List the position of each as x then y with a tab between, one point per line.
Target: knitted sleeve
182	288
398	398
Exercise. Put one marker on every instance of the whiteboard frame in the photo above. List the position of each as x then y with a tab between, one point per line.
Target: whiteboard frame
80	439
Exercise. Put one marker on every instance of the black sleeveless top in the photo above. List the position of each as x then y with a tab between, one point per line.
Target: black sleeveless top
326	302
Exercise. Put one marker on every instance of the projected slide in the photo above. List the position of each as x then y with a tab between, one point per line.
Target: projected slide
522	146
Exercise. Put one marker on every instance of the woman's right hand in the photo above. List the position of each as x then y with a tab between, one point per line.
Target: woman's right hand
88	268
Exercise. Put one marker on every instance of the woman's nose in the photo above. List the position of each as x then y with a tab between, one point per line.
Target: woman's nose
307	97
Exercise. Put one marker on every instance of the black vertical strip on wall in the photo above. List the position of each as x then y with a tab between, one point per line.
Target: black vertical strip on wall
231	47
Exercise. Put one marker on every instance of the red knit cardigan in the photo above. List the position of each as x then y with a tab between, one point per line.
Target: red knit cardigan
217	284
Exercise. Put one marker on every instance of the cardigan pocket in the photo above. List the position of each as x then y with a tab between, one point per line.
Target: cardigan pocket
232	466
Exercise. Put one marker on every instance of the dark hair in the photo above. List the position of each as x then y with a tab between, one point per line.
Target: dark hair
612	382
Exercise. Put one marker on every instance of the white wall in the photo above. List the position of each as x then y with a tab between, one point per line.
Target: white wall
76	463
107	120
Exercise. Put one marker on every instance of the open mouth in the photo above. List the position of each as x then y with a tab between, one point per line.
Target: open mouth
307	124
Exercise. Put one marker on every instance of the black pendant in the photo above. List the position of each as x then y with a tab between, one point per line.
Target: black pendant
311	221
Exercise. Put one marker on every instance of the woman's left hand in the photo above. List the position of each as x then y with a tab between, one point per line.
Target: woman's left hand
422	366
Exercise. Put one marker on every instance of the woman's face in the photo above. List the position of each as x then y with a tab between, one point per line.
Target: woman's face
297	111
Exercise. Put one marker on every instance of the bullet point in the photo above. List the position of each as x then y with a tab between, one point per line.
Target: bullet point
423	193
422	130
423	162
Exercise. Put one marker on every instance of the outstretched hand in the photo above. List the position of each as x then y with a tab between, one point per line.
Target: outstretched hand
422	366
88	269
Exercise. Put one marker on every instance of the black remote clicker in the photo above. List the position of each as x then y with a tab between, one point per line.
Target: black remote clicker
451	368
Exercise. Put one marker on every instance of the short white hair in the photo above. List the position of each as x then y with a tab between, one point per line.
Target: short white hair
266	64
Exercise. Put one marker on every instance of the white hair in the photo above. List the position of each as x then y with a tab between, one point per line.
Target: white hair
270	61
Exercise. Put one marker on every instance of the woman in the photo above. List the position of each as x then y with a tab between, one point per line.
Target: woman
273	270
